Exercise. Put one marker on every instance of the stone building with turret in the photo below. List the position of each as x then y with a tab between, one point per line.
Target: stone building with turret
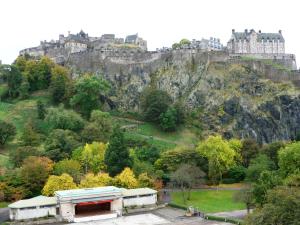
252	42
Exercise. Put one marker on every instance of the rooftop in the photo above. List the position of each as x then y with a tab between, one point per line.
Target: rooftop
75	193
33	202
138	191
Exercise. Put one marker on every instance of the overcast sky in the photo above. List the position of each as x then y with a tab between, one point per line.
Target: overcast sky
24	23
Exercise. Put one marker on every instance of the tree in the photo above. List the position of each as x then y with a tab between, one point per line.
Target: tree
38	73
29	136
271	150
14	81
184	41
18	155
24	89
145	181
7	131
185	178
99	129
281	207
169	161
154	103
257	166
34	172
60	82
90	180
245	196
289	158
126	179
60	144
221	155
41	111
117	155
266	181
87	93
68	166
168	119
147	153
92	157
249	151
60	118
58	183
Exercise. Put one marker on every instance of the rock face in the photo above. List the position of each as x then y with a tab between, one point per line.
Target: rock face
236	98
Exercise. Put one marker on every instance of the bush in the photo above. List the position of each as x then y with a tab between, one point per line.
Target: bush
59	118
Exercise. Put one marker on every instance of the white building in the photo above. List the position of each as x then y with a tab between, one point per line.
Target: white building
36	207
256	43
81	205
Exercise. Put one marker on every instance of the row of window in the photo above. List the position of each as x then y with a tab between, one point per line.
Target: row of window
138	196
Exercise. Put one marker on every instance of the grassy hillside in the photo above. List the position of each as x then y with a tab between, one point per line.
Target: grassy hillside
18	112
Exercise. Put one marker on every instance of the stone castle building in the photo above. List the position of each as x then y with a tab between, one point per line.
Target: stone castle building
252	42
81	42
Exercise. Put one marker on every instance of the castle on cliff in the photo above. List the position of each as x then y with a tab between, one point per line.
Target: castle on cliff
248	43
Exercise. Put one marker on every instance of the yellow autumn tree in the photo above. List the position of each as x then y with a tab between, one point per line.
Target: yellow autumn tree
126	179
92	157
90	180
57	183
145	181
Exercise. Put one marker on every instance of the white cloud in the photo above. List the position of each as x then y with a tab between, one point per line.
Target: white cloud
161	22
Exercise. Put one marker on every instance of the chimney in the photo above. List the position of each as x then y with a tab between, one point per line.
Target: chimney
280	31
69	32
233	30
246	31
259	31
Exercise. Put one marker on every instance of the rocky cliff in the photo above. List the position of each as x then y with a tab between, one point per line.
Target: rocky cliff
243	98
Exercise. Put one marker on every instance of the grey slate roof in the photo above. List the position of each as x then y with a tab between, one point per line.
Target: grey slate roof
33	202
131	38
260	36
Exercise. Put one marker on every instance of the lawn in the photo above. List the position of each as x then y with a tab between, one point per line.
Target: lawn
3	204
210	201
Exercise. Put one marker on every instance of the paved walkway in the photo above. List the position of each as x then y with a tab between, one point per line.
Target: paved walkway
4	214
239	214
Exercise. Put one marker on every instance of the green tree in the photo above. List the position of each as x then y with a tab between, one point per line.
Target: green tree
281	207
117	155
154	103
266	181
170	160
249	151
38	73
272	149
147	153
34	172
60	118
221	155
289	158
41	111
68	166
168	119
60	82
7	131
87	93
14	80
99	129
58	183
18	155
184	41
24	89
29	136
145	181
257	166
60	144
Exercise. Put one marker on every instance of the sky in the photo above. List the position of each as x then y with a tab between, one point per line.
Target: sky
24	23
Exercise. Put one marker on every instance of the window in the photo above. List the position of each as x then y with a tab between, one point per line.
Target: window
28	208
147	195
129	197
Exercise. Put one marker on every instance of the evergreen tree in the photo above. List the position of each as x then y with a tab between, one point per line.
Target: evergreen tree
41	110
117	155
